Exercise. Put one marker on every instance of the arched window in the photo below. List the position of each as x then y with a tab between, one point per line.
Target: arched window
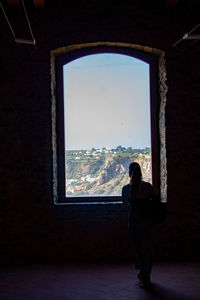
105	114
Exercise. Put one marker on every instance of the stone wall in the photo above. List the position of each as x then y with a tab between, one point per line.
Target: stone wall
32	228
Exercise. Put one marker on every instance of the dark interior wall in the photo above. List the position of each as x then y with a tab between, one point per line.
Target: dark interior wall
32	228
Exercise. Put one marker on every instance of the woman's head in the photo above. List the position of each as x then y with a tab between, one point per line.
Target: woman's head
135	173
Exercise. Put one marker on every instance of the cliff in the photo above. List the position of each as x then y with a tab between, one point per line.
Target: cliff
102	173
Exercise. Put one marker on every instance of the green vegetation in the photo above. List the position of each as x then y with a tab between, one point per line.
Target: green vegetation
102	171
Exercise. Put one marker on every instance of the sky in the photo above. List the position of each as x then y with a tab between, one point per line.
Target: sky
106	102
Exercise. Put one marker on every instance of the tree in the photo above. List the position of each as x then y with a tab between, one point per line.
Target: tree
120	148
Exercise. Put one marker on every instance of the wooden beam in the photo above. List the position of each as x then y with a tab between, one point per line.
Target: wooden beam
169	3
13	2
36	3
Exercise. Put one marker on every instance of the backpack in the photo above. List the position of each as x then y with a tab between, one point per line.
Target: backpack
158	209
149	207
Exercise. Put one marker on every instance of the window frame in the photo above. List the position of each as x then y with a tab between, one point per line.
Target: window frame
64	55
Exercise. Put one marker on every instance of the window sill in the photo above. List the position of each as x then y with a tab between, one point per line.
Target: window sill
90	203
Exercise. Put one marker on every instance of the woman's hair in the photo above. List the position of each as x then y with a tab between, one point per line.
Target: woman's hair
135	174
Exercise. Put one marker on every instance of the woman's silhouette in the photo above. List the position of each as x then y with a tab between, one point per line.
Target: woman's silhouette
136	197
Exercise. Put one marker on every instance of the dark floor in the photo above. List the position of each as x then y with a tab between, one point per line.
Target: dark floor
99	282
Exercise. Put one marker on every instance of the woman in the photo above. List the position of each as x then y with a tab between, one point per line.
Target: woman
135	197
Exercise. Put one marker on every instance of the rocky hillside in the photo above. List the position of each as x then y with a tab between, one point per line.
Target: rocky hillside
103	172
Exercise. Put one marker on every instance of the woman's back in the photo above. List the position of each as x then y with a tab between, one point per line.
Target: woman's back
143	190
141	206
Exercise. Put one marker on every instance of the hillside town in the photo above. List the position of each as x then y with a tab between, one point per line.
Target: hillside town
103	172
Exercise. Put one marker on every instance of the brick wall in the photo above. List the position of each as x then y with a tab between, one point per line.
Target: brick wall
32	228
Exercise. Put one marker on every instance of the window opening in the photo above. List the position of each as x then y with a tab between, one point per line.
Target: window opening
70	117
107	123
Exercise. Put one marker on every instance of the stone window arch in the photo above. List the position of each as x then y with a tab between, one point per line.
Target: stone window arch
156	59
